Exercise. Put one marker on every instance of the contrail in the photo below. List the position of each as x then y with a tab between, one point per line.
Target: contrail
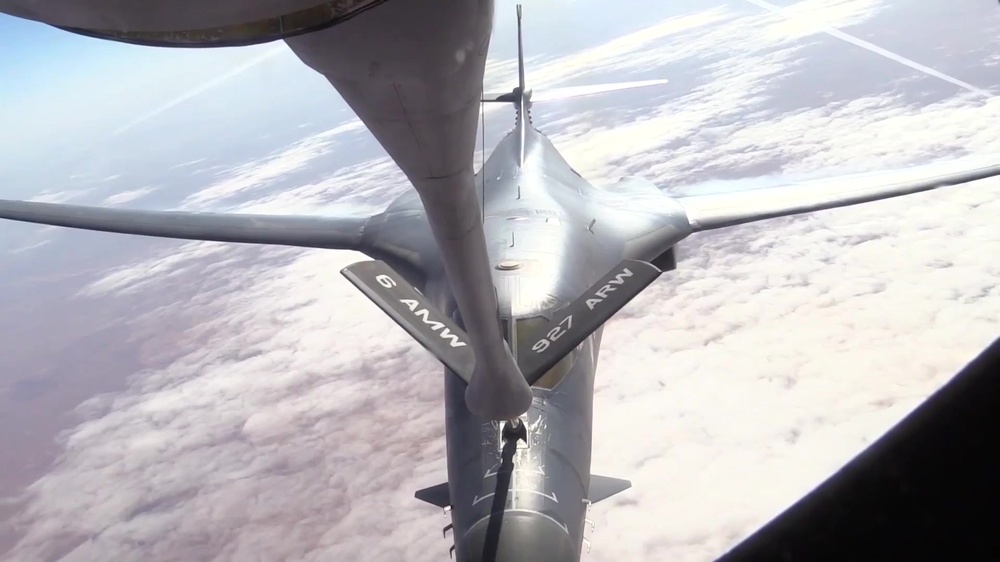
878	50
203	88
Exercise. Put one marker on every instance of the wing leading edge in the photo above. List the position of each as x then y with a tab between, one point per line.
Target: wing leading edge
343	233
719	210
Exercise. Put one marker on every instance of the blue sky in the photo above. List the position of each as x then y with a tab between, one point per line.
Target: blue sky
44	67
76	109
33	52
41	64
69	102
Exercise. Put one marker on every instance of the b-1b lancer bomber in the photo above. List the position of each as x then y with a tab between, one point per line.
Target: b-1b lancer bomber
507	276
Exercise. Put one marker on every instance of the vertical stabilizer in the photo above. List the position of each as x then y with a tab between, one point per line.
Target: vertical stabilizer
520	52
521	95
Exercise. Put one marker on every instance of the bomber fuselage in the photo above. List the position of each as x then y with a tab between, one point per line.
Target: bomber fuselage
550	235
523	499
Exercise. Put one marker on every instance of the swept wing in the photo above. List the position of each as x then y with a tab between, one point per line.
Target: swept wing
719	210
341	232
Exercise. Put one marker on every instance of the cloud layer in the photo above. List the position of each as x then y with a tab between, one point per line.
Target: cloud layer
297	421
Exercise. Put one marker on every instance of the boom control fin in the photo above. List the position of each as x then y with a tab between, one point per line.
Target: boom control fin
601	488
573	324
414	313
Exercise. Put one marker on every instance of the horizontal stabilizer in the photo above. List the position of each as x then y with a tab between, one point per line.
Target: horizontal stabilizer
573	324
435	495
500	97
603	487
567	92
411	310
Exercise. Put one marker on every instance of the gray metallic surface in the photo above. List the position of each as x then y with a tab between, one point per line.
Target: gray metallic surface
418	91
565	234
410	310
254	32
343	233
160	15
712	211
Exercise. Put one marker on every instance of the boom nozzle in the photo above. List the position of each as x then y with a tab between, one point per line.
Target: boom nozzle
498	391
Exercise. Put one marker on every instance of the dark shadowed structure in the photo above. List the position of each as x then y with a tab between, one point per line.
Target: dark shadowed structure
928	489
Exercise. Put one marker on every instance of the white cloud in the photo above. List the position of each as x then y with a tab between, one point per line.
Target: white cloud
299	420
128	196
368	186
136	277
810	17
28	247
60	196
633	51
264	380
188	163
802	20
258	175
774	354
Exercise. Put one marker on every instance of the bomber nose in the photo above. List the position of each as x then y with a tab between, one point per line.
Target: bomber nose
519	536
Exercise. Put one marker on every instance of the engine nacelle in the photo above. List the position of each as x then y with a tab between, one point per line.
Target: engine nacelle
189	23
640	191
667	261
